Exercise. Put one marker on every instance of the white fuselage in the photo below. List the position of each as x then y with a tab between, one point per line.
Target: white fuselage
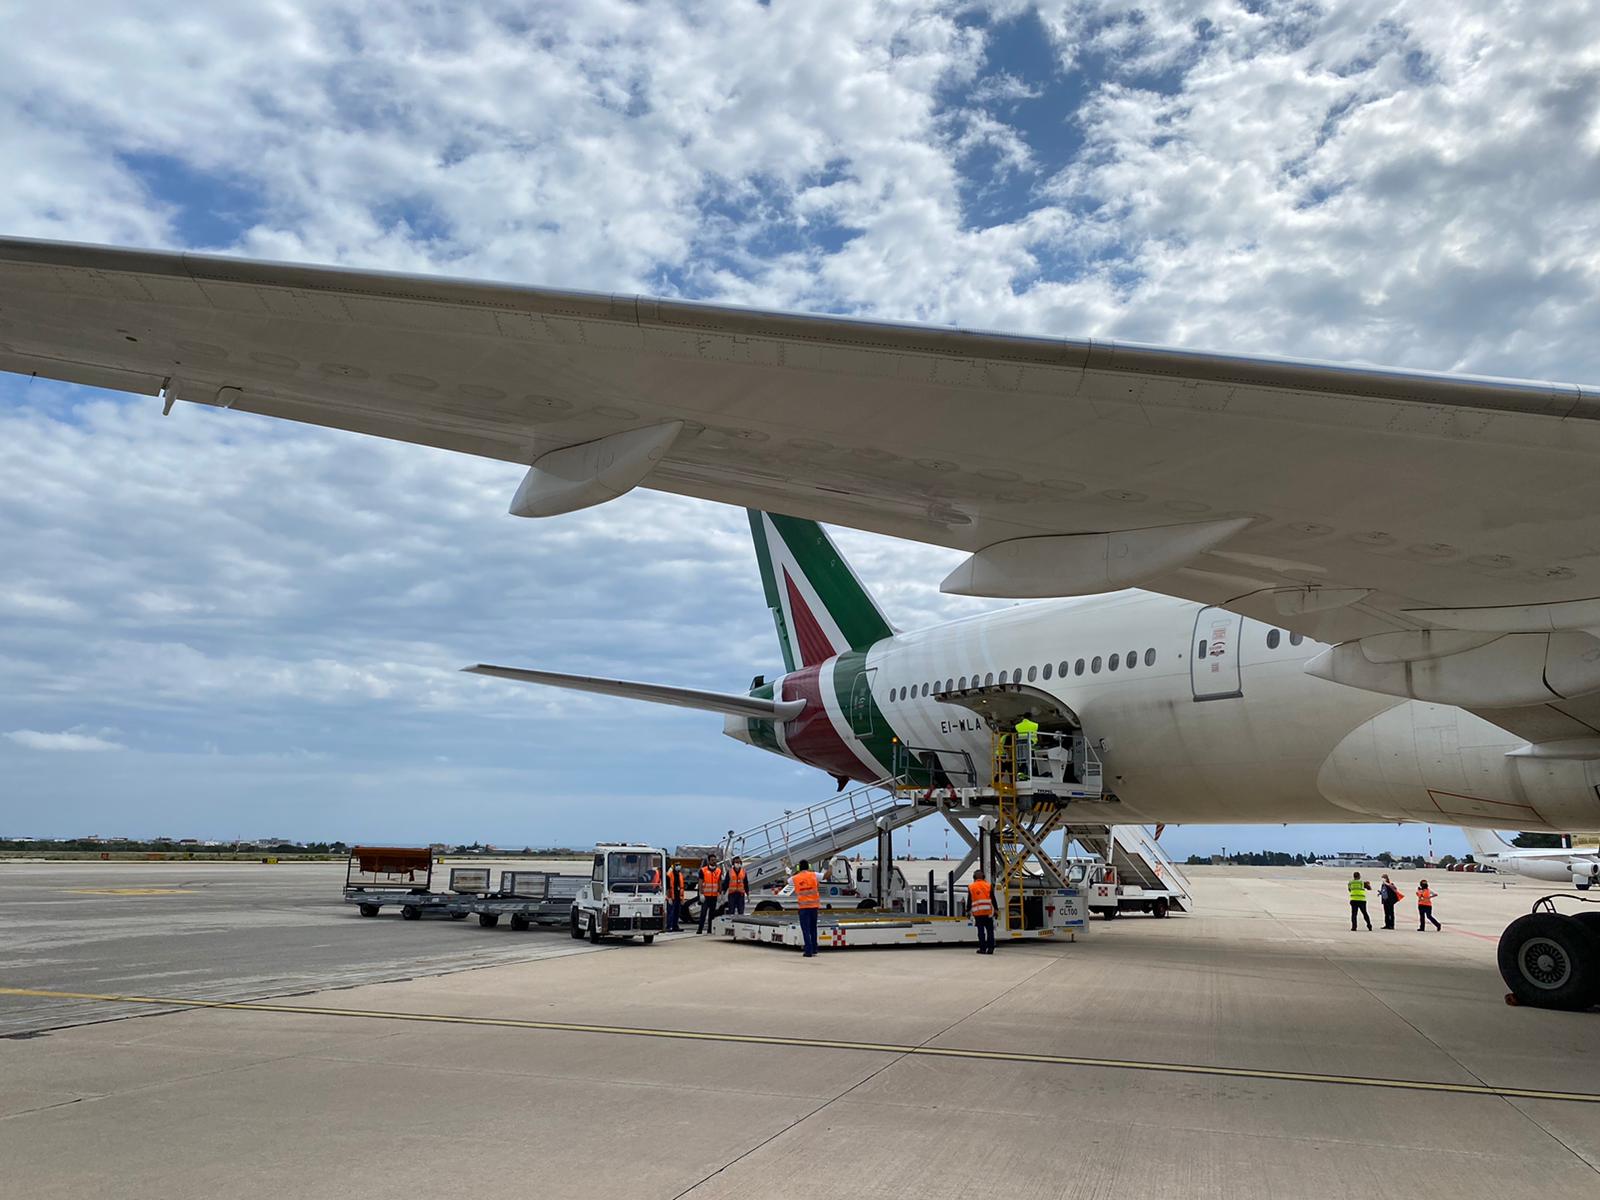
1216	721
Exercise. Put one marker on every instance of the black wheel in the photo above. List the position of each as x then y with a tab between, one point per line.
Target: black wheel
1590	921
577	934
691	913
1106	913
1550	960
769	906
488	920
1160	907
368	910
458	916
649	939
519	922
594	930
867	905
411	912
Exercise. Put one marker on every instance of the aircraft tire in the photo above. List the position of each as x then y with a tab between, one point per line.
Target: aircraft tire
1551	960
769	906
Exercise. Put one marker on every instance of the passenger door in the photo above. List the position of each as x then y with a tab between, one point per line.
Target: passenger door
1215	671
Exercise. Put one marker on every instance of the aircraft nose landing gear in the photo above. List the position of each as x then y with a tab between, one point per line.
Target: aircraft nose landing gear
1551	959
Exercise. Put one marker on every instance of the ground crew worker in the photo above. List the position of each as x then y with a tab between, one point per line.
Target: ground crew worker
1425	896
1388	896
674	896
1027	738
737	887
1358	902
808	895
710	889
980	902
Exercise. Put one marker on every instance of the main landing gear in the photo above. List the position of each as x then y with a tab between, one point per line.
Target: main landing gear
1551	959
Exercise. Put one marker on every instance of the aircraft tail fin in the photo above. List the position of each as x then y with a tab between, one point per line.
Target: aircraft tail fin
818	604
1486	843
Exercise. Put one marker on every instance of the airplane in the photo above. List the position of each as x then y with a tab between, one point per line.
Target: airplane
1349	593
1572	864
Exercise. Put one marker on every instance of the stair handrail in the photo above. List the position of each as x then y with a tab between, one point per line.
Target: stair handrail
759	843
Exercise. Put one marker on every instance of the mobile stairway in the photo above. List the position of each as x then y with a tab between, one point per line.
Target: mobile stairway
1142	876
820	831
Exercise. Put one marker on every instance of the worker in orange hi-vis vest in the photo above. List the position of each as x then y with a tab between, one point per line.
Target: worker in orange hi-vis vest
808	897
674	896
980	902
1425	896
710	889
738	887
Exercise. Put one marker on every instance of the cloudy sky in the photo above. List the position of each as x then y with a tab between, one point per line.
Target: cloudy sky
215	625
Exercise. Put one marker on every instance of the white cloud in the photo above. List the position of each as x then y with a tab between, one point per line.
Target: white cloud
65	741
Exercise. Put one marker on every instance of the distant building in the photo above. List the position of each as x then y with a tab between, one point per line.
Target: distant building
1350	858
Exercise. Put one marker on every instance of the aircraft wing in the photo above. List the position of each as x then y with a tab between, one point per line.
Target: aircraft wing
1414	517
727	703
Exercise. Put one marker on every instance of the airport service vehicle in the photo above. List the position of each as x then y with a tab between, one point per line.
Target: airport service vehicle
402	876
380	876
1420	647
1576	863
623	896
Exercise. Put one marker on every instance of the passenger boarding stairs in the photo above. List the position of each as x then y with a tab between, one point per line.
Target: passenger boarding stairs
837	824
1138	858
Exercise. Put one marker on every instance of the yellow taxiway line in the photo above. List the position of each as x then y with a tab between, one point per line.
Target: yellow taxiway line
754	1039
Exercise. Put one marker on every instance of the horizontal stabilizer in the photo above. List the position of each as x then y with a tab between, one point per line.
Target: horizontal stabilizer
718	702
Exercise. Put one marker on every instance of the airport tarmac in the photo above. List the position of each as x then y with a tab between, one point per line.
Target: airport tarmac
227	930
1258	1048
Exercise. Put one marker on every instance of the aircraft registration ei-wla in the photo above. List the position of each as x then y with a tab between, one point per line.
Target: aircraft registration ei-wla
1365	594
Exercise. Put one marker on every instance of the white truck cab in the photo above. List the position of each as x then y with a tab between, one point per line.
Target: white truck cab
625	895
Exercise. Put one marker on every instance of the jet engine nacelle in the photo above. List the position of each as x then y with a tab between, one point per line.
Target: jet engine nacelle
1585	873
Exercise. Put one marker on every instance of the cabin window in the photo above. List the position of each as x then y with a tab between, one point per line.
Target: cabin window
1033	673
949	685
963	683
1063	669
1094	667
1048	667
1002	677
988	680
1016	675
1200	650
1296	638
926	689
1273	637
1077	667
1112	663
1150	657
1133	659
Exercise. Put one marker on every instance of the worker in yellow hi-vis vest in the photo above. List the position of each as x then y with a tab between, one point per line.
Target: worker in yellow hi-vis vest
1358	901
1027	738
